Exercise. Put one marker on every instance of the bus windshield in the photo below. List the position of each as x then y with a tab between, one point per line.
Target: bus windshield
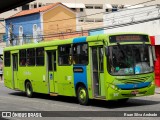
130	59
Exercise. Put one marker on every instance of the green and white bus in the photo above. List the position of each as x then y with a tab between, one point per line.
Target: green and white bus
106	67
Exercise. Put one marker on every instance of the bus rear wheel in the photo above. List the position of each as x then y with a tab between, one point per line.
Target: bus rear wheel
82	95
29	90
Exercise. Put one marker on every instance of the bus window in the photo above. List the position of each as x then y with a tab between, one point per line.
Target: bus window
22	57
64	55
40	56
31	57
7	59
80	53
101	59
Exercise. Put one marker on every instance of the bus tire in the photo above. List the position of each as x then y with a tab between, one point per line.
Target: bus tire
28	89
82	95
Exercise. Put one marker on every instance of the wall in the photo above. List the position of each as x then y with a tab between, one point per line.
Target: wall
124	18
57	26
26	22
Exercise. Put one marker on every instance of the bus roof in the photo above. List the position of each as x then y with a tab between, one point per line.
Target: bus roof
66	41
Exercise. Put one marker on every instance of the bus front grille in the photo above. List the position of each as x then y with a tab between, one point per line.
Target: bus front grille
134	80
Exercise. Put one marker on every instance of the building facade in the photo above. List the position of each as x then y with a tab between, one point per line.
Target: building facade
89	12
140	19
35	25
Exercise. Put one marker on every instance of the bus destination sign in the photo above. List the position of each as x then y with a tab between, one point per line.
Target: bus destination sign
128	38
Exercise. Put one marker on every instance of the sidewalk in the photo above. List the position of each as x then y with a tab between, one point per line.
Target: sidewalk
1	81
157	90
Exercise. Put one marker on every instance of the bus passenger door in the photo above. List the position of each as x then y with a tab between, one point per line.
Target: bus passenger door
51	63
15	70
97	71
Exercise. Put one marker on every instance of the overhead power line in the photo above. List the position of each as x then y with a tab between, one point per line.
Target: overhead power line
86	15
108	27
141	14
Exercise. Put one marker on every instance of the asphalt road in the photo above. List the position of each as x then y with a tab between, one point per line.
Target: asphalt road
17	101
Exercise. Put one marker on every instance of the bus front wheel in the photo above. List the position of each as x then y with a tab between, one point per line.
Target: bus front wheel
29	90
82	95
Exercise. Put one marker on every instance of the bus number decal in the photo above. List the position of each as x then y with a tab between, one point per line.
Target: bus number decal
27	73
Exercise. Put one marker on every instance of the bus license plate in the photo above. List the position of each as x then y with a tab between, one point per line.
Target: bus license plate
135	92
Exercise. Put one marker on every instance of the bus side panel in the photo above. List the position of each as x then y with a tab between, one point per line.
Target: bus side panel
65	80
8	77
22	74
80	75
37	76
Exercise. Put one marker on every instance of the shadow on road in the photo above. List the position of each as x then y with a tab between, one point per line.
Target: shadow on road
95	103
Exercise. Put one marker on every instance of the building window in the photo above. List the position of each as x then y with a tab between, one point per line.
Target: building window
25	7
98	6
99	20
74	9
64	55
20	35
81	20
31	6
40	56
80	53
89	20
40	5
34	27
30	57
108	10
81	9
7	59
35	5
114	9
89	6
20	30
22	57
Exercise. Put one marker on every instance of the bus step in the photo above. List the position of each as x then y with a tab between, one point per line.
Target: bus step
53	94
100	97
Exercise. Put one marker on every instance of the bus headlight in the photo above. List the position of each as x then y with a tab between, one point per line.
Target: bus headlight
114	87
153	83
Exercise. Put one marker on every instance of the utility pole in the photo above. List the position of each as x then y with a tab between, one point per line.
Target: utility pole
11	33
81	31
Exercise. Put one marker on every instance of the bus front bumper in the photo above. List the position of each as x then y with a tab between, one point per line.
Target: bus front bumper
114	94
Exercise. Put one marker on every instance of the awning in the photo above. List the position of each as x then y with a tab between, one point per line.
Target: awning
108	6
74	5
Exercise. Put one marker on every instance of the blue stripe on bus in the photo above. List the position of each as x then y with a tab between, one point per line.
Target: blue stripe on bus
79	40
80	76
133	86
